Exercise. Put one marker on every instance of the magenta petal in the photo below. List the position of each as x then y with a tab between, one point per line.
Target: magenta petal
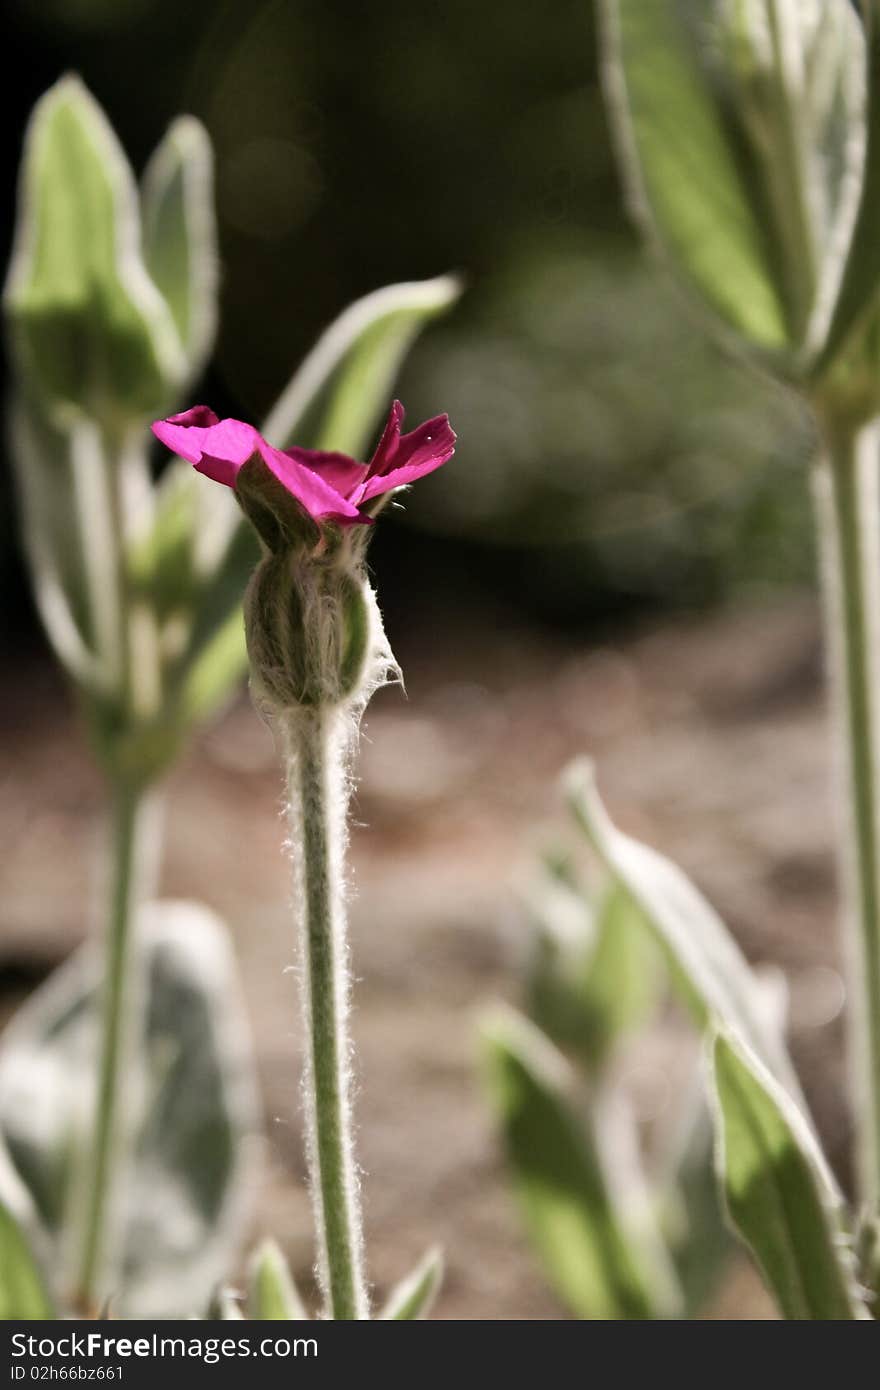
417	453
217	448
341	472
320	499
386	449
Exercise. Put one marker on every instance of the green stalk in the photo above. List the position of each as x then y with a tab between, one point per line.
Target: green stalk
317	791
130	850
848	514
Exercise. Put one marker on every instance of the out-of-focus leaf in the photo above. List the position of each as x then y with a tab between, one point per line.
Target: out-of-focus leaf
682	175
180	237
272	1291
23	1292
740	129
43	458
848	361
413	1296
559	1179
693	1225
90	330
594	974
189	1111
337	397
707	963
780	1195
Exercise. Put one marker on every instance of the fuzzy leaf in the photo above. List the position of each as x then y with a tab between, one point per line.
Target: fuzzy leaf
559	1179
594	973
412	1298
272	1291
682	175
23	1293
781	1198
190	1109
707	963
91	332
740	130
180	235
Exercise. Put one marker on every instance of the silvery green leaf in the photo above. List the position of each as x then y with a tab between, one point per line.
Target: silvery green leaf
847	369
47	497
593	975
338	396
180	235
91	333
738	125
23	1293
189	1111
707	963
413	1296
687	1196
780	1195
272	1293
594	1261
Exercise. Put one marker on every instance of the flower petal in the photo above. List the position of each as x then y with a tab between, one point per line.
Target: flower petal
320	499
215	447
386	449
415	454
341	472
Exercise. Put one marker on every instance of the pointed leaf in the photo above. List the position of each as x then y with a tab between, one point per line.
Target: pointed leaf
23	1293
848	362
90	330
180	235
413	1296
708	965
594	976
681	171
781	1198
559	1180
272	1291
340	393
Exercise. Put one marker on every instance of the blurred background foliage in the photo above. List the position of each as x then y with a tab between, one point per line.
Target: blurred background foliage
612	457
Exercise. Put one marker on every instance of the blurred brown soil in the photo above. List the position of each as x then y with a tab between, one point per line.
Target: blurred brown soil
711	744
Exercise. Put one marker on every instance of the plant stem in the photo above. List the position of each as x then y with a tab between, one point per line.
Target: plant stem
130	830
848	512
317	792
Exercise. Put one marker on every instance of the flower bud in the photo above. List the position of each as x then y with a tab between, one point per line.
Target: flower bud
91	333
308	627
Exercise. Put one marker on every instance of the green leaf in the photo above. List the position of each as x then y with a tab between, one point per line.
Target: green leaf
47	494
683	178
272	1291
558	1176
22	1290
688	1200
847	367
412	1298
339	394
180	235
708	966
781	1198
91	332
189	1105
594	973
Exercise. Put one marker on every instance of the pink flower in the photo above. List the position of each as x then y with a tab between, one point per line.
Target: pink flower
331	487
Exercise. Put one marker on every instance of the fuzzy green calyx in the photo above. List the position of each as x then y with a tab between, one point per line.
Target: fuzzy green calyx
308	624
